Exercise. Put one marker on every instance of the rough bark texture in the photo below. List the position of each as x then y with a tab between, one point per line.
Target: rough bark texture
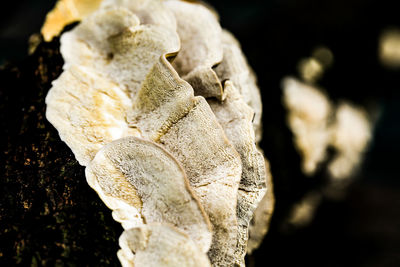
49	215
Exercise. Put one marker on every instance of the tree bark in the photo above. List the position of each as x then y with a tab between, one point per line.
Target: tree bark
48	214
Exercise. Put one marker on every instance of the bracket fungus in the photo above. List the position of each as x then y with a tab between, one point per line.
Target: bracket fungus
308	117
159	245
160	108
259	224
153	184
317	123
235	68
200	35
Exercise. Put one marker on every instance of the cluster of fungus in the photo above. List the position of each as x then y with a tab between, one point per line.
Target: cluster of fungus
160	105
320	127
317	123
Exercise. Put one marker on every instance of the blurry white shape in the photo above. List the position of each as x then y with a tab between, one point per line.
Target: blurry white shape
323	55
303	212
351	136
310	69
309	117
389	48
308	113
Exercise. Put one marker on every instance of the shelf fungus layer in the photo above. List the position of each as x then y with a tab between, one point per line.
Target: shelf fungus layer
167	112
158	102
235	117
154	245
154	185
200	35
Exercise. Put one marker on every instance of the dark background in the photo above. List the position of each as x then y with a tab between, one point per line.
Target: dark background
363	229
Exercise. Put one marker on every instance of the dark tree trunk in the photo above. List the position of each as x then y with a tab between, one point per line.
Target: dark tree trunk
48	213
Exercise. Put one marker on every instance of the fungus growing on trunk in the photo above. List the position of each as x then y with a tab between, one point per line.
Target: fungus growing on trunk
166	133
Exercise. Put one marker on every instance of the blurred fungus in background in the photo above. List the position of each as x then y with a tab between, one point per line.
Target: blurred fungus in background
318	124
389	48
330	82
